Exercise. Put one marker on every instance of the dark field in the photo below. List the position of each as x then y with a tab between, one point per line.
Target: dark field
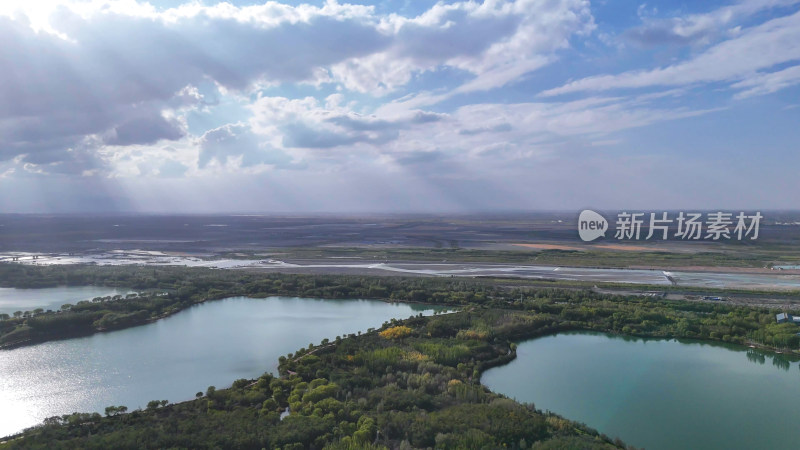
48	233
536	238
545	231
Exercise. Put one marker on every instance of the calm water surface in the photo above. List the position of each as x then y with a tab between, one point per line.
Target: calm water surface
12	299
659	394
210	344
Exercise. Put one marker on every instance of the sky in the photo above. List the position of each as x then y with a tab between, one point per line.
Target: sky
398	106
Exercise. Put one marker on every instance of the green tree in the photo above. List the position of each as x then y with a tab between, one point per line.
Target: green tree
115	410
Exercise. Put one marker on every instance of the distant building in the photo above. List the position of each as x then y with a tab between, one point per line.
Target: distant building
787	318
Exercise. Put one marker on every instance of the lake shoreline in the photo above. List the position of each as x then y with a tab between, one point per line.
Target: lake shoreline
624	387
222	341
83	333
79	334
792	354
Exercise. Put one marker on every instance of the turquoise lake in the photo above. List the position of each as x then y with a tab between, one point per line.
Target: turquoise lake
211	344
659	394
13	299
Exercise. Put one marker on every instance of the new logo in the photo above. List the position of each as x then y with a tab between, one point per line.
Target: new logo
591	225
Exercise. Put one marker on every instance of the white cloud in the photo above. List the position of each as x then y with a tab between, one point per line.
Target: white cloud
234	141
305	123
122	72
496	42
214	97
767	83
775	42
492	137
698	29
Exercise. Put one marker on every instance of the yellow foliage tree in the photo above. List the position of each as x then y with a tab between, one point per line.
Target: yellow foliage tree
396	332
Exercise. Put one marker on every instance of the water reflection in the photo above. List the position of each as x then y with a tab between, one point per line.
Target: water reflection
660	394
209	344
756	356
781	362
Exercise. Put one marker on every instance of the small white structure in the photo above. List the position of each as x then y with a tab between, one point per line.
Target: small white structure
787	318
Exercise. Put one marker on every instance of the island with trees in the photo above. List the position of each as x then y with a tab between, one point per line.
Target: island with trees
412	383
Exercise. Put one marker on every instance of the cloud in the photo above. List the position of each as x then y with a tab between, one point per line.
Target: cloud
145	130
495	42
492	138
487	135
499	128
237	141
306	123
373	105
358	122
172	169
301	135
122	73
80	159
113	74
767	83
451	31
416	158
536	121
697	28
776	41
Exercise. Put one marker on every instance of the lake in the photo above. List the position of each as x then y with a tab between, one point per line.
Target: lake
211	344
13	299
659	394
